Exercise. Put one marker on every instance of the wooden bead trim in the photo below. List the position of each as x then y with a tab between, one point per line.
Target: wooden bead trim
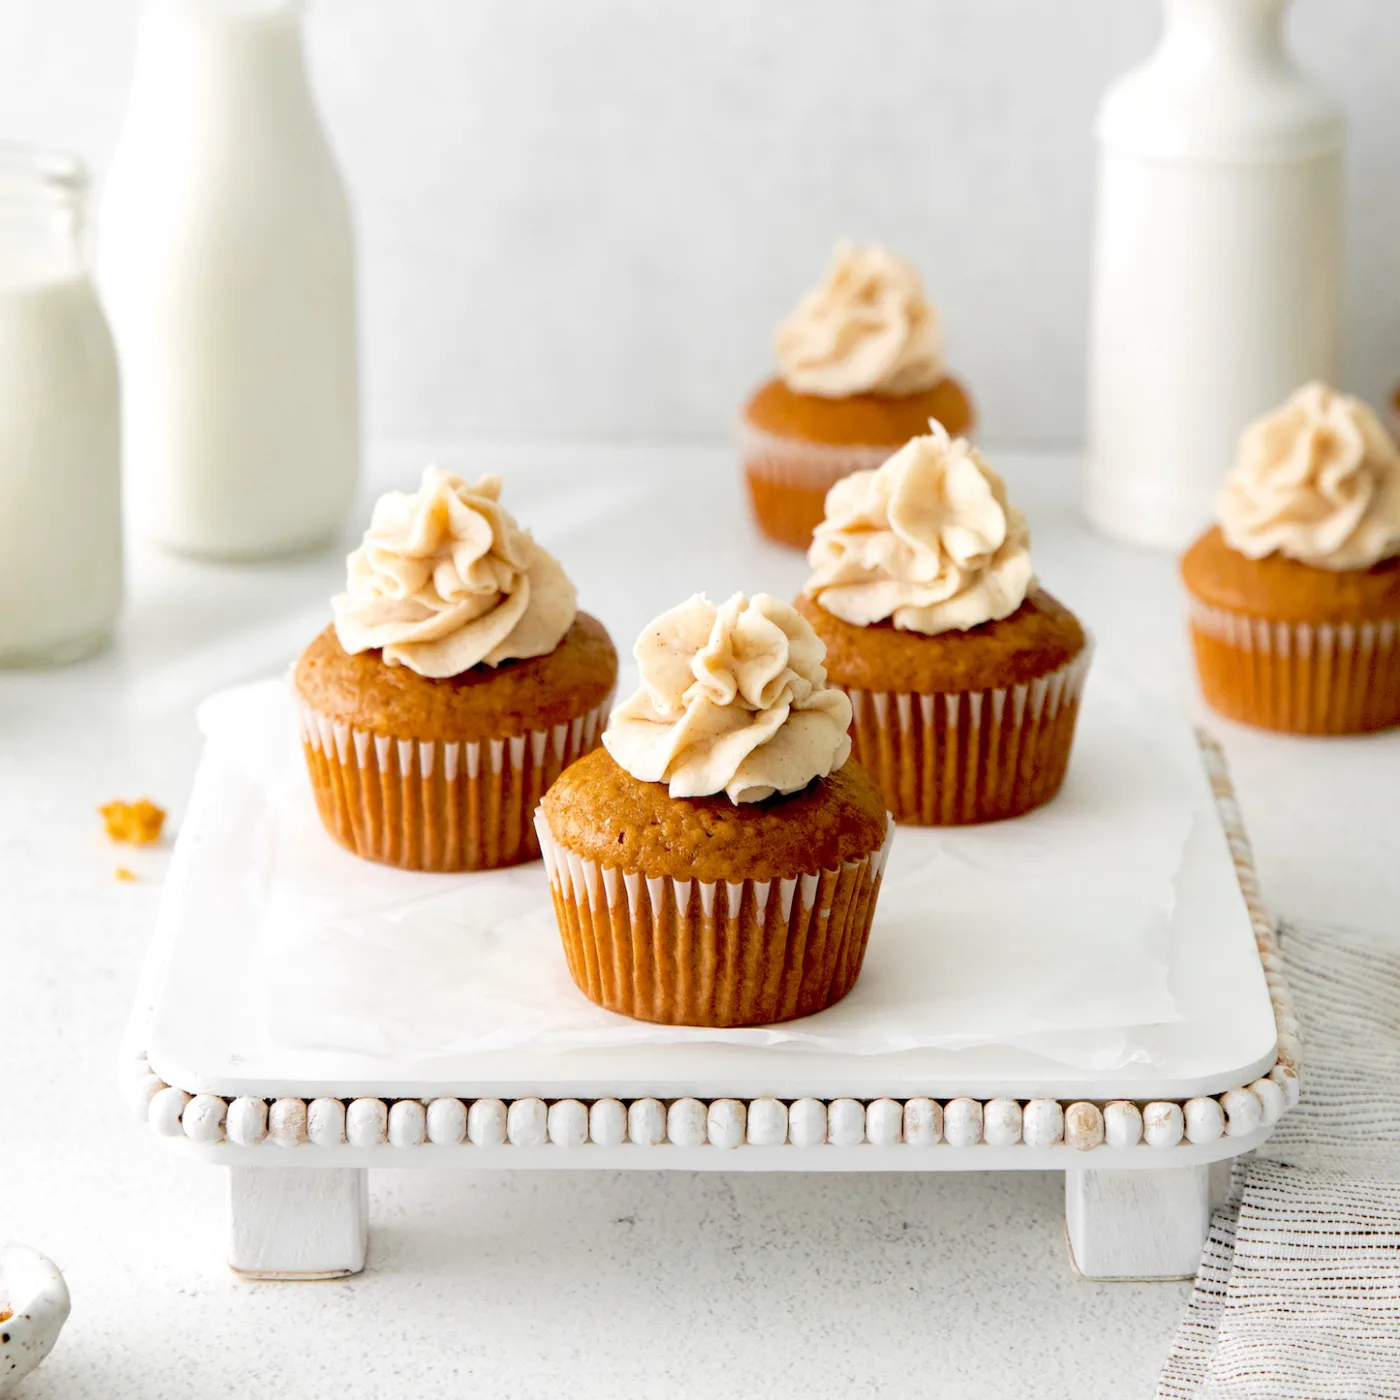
1078	1126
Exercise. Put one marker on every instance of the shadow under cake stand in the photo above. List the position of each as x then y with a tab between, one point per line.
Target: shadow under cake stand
1145	1148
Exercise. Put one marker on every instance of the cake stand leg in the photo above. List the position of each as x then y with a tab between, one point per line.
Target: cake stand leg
298	1222
1144	1224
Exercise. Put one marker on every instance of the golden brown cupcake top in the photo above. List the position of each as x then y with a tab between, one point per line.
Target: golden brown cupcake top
1286	590
927	542
733	699
445	580
867	329
598	810
516	697
1317	481
862	420
1039	637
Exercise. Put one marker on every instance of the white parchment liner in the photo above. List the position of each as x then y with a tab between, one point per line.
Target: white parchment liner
813	466
434	805
1300	677
969	756
712	953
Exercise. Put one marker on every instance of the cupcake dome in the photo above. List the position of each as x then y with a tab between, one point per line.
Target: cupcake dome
861	373
457	682
604	814
718	862
1295	594
964	675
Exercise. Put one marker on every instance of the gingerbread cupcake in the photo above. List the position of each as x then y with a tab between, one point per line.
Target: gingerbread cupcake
458	680
861	372
717	862
1295	594
963	674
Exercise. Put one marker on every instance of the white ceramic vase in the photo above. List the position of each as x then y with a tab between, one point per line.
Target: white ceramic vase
1217	279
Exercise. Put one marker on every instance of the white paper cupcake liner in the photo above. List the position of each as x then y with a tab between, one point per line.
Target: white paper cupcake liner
969	756
433	805
1298	677
788	478
712	953
811	466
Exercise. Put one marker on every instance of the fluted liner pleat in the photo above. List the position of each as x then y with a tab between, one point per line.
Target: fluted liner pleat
788	480
702	953
1298	677
431	805
969	756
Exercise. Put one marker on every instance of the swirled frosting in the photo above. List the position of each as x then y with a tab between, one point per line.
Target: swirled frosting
1317	480
445	580
733	699
928	541
868	329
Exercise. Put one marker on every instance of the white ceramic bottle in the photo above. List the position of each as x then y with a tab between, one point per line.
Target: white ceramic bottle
60	422
1217	282
227	265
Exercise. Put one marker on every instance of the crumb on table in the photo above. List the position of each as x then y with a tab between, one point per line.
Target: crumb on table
138	823
125	875
5	1314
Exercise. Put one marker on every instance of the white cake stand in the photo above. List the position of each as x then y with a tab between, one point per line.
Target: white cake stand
1144	1148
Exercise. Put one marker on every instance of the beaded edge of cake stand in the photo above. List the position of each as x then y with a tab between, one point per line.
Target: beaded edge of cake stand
728	1123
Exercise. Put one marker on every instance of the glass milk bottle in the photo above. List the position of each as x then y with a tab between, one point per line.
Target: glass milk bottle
60	422
1217	282
227	265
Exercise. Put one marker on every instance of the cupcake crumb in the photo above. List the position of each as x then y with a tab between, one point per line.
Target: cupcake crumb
136	823
126	875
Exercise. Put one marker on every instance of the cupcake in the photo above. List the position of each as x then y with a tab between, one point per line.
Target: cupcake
861	364
456	683
1295	594
963	674
717	861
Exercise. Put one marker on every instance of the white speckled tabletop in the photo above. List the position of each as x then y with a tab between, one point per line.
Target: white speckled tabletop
540	1284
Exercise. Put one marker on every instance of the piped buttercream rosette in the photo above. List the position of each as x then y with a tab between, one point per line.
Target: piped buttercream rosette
733	699
445	580
867	329
927	541
1317	480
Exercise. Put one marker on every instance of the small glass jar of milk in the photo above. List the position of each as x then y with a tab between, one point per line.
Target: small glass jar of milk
60	422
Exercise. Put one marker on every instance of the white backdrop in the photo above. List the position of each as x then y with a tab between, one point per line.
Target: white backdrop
581	218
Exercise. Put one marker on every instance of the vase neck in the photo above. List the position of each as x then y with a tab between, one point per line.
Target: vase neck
1214	31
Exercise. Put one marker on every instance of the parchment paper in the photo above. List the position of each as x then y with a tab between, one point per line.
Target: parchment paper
1051	932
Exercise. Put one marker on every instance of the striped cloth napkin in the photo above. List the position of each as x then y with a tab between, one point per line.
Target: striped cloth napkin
1299	1289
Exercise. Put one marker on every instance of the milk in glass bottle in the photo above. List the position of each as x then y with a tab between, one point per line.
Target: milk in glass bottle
60	430
227	265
